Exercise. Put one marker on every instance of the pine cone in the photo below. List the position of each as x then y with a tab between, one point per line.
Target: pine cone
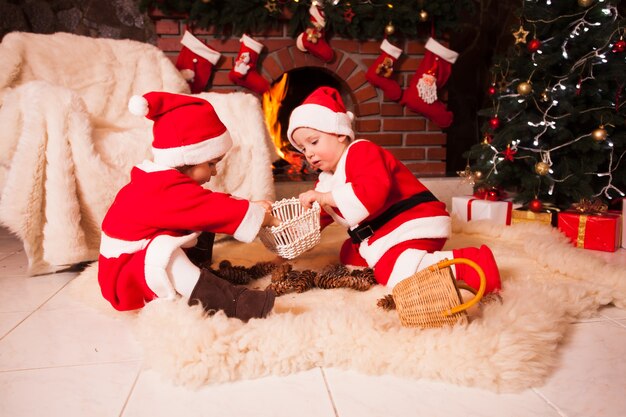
387	302
329	276
366	274
281	287
358	282
236	275
261	269
302	280
281	271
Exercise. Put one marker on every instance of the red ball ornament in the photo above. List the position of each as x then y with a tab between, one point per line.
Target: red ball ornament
535	205
494	122
493	195
492	90
533	45
619	46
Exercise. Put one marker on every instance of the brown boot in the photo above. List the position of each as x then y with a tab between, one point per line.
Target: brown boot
237	301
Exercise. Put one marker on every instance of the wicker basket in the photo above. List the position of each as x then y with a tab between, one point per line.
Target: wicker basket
430	298
298	232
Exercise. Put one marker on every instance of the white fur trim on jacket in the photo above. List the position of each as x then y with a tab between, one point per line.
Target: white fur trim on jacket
420	228
441	51
320	118
390	49
251	43
111	247
193	154
196	46
349	204
251	224
157	259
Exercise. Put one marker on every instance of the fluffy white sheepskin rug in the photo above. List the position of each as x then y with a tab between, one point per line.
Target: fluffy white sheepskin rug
506	347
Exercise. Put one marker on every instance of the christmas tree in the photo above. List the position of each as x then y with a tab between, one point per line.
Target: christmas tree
554	132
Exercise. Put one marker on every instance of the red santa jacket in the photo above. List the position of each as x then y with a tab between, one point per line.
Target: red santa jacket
158	211
367	181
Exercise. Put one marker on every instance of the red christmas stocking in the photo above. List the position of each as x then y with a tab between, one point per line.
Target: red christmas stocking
195	62
432	74
379	73
244	71
312	40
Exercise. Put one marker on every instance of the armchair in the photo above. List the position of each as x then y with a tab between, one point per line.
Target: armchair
68	141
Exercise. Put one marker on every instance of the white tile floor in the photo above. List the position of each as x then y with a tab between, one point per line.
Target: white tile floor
61	357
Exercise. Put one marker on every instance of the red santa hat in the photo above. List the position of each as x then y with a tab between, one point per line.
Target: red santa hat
187	130
322	110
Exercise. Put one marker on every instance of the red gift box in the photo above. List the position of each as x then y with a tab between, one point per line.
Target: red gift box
592	231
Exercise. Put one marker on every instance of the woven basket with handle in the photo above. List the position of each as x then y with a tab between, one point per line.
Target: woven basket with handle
298	232
430	298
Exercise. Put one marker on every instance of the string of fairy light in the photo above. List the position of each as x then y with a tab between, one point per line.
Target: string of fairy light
590	60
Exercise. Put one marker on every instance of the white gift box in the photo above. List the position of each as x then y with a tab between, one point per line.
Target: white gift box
469	208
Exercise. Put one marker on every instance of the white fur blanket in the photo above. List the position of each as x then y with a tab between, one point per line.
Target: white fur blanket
68	142
506	347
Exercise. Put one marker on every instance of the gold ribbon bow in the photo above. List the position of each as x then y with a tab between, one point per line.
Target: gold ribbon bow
590	206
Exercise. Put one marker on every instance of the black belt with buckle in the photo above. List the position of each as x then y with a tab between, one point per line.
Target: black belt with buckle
367	229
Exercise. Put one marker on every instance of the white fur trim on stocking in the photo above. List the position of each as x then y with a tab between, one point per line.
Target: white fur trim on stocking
251	43
427	88
441	51
299	43
199	48
320	22
390	49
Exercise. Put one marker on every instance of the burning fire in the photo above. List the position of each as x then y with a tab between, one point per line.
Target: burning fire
271	105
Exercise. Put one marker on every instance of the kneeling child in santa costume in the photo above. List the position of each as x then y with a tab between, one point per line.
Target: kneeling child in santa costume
396	225
151	230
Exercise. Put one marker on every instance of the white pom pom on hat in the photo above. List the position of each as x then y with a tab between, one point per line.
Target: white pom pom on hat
138	106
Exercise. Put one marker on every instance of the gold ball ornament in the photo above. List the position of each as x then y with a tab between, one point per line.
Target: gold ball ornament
524	88
423	15
390	29
585	3
599	134
478	175
542	168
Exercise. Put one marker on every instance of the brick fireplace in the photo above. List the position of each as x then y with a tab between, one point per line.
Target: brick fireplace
419	143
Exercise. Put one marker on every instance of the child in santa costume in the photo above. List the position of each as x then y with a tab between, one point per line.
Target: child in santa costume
150	231
396	225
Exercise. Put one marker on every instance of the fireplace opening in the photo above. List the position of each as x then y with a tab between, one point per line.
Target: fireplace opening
286	93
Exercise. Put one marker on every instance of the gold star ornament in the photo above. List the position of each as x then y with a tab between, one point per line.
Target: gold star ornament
520	35
467	175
